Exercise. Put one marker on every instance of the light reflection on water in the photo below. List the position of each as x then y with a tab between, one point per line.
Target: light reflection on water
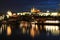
3	27
55	32
34	30
53	29
23	24
9	31
23	30
1	30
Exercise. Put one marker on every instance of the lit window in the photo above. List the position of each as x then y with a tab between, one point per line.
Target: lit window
51	21
54	14
18	13
33	25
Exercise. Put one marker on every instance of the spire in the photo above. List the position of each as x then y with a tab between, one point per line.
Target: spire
34	10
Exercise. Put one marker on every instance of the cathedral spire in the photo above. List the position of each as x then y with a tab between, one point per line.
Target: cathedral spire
34	10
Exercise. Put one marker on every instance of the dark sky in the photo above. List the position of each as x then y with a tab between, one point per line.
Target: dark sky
26	5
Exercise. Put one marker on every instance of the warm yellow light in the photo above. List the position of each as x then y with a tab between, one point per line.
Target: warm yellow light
24	24
18	13
9	13
9	31
14	14
54	14
51	21
40	27
33	24
23	13
21	25
51	28
36	27
2	17
44	14
32	32
33	10
3	27
7	16
1	30
55	32
23	30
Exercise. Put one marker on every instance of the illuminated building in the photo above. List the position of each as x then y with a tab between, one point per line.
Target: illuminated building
9	13
44	14
33	10
54	14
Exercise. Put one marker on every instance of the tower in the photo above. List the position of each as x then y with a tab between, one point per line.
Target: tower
34	10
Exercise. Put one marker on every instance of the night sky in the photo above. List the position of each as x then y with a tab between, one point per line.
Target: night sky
26	5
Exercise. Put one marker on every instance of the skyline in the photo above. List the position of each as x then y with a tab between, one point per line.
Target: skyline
26	5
